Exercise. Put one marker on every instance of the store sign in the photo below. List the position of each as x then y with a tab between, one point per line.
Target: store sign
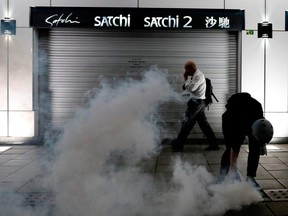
136	18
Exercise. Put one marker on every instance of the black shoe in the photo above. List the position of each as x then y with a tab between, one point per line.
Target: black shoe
253	182
177	149
212	148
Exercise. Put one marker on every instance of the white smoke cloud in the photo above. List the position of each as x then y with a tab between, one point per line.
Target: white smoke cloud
115	132
199	194
97	171
97	165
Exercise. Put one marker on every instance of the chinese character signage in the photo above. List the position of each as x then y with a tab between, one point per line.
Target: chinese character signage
136	18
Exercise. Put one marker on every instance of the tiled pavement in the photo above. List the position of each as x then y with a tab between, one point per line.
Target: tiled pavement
20	171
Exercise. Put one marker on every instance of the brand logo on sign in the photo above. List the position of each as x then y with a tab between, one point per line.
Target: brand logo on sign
55	19
158	22
112	21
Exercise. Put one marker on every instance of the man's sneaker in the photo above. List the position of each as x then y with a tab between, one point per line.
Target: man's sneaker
212	148
177	149
220	179
253	182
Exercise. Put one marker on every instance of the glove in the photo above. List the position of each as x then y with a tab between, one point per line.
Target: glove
183	87
263	149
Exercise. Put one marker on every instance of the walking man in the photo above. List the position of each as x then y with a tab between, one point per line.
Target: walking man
195	86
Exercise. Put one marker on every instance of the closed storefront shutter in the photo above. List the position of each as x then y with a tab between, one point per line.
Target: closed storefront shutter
74	61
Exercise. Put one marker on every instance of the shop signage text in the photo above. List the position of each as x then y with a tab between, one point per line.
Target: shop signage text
55	19
136	18
112	21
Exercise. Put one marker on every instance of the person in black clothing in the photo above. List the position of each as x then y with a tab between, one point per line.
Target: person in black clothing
238	121
194	86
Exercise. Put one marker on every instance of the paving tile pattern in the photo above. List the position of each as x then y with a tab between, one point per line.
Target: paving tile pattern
20	171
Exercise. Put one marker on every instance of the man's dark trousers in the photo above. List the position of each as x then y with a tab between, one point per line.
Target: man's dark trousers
194	113
235	131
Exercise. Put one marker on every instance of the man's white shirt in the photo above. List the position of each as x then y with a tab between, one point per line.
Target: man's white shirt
195	86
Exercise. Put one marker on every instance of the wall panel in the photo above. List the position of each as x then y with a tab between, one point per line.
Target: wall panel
3	85
280	125
219	4
3	123
93	3
277	73
3	6
252	66
20	70
3	72
254	11
21	124
20	10
276	13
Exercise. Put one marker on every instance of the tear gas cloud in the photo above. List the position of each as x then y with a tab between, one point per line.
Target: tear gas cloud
97	165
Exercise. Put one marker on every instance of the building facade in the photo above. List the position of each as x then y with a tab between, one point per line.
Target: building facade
32	74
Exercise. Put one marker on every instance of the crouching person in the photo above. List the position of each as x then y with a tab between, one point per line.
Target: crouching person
244	117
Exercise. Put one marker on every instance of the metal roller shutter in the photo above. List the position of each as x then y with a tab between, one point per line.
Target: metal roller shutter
72	61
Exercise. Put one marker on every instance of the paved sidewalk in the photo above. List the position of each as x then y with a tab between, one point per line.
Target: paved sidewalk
21	171
272	175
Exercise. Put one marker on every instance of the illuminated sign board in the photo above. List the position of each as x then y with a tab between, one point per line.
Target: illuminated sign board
136	18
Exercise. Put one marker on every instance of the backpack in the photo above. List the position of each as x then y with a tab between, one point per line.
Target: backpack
209	93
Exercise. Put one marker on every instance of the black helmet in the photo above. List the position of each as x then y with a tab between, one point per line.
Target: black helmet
262	130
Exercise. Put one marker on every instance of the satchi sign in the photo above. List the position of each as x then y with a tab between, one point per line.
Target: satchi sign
136	18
